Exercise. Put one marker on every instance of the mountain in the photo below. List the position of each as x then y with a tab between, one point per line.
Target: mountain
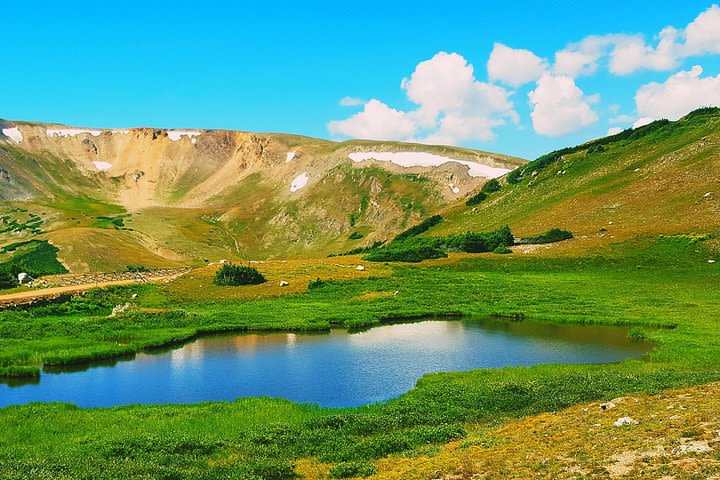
659	179
108	198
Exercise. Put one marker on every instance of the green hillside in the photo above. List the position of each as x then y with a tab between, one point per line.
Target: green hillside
660	179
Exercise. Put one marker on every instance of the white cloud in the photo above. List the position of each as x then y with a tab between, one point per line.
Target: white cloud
514	67
377	121
627	54
702	35
614	131
678	95
351	102
641	122
559	106
452	107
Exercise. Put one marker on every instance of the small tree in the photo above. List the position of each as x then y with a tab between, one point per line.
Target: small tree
234	275
7	279
491	186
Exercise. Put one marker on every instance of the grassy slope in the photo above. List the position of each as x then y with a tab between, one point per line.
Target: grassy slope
654	184
255	218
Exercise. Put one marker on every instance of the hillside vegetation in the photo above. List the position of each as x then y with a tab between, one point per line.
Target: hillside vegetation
163	197
660	179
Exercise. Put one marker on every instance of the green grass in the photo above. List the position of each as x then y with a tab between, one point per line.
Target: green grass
35	257
647	284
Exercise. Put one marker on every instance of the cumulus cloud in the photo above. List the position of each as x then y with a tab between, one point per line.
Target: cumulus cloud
614	131
678	95
627	54
641	122
377	121
702	35
559	106
514	67
452	107
351	102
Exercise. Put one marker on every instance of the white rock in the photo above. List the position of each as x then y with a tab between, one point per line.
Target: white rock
299	182
707	194
289	156
692	447
621	422
711	261
283	283
223	261
13	133
119	309
422	159
360	268
134	295
23	277
607	405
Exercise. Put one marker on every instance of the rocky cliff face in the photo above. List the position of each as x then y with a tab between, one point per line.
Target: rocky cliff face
199	192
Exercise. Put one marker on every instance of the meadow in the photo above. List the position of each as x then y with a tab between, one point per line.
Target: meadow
664	288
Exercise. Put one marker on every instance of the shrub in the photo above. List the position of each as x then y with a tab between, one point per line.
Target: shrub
491	187
502	249
234	275
7	279
356	236
551	236
352	470
478	242
412	254
136	268
421	227
476	199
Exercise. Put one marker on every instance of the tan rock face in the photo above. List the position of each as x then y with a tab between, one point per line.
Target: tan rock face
193	193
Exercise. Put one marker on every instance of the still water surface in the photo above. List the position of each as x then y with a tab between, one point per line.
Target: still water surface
332	369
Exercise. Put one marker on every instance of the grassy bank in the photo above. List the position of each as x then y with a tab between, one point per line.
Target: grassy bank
647	283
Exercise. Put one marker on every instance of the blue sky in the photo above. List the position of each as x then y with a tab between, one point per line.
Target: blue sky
284	67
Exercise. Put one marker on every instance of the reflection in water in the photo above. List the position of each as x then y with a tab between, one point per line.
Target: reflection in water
333	369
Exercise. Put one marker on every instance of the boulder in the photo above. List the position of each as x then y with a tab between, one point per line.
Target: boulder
283	283
360	268
24	278
621	422
607	405
118	309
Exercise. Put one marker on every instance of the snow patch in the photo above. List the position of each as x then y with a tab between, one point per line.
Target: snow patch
454	189
71	132
289	156
299	182
121	131
422	159
13	134
102	166
175	135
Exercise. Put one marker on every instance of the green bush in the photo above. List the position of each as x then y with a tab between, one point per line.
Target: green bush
136	268
234	275
476	199
551	236
352	470
491	187
412	254
7	279
502	250
421	227
356	236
